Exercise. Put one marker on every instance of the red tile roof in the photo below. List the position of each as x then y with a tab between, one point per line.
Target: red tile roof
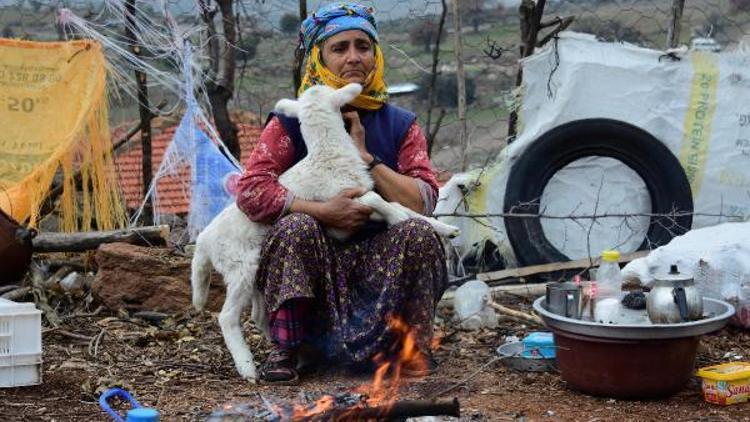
173	192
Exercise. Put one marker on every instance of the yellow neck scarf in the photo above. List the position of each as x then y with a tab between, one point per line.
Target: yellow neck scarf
374	93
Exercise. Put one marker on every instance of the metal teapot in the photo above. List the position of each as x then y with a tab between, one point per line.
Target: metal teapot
674	298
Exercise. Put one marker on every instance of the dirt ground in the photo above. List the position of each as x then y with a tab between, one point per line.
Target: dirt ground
181	367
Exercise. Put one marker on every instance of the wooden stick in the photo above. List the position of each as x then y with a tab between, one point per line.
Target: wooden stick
526	290
76	336
673	33
552	267
78	242
460	83
6	289
523	316
77	264
84	315
17	293
53	282
396	411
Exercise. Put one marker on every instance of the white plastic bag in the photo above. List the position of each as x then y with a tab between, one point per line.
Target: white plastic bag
717	257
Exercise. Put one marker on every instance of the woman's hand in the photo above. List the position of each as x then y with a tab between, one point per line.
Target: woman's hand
357	132
342	212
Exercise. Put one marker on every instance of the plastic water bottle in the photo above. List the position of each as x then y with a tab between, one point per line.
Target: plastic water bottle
609	308
608	277
609	289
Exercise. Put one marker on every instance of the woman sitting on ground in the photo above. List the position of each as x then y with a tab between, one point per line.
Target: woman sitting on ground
339	296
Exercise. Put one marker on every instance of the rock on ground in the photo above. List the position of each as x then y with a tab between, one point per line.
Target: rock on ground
137	278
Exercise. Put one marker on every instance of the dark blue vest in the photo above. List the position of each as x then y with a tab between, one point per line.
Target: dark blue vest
385	129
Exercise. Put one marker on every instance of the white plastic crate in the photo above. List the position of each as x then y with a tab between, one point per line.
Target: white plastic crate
20	344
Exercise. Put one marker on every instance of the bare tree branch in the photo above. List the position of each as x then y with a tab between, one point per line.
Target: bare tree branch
432	132
563	25
493	51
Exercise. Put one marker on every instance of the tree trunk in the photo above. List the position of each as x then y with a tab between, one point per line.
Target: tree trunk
461	84
530	14
299	52
432	133
220	85
144	110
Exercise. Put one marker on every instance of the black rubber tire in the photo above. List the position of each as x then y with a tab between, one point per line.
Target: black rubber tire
660	170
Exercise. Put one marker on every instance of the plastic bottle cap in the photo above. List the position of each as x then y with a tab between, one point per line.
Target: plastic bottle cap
611	255
143	414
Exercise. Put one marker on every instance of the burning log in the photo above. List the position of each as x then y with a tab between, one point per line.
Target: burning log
339	408
398	410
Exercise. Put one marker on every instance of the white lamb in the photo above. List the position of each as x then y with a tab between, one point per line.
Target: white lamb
231	243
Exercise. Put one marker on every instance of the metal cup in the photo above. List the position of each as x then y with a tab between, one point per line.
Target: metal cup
564	299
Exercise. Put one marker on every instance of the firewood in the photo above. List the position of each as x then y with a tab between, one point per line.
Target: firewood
17	293
395	411
78	242
523	316
525	290
531	270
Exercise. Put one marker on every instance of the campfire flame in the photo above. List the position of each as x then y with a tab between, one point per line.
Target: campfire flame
388	378
404	358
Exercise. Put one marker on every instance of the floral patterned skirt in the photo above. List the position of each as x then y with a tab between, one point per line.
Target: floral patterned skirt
355	285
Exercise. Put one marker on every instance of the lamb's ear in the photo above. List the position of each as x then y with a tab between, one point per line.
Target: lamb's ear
289	108
344	95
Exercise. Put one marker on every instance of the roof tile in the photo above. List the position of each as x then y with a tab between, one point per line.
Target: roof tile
173	192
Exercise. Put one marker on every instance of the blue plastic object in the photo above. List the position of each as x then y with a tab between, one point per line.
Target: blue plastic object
137	413
539	344
143	414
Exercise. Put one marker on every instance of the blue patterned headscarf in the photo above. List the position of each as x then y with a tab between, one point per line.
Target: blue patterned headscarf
334	18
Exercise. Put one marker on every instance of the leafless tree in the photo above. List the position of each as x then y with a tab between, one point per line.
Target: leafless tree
223	63
432	131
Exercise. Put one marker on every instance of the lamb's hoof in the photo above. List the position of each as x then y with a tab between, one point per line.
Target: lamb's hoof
448	231
247	372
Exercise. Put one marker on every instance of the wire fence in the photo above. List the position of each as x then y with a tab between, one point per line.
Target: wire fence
408	30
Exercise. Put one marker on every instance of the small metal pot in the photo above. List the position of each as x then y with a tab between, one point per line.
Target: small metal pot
674	298
564	299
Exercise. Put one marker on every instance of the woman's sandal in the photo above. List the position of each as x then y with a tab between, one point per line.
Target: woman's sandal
279	368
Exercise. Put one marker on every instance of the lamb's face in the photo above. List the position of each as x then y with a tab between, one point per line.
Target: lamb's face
321	101
318	102
319	105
